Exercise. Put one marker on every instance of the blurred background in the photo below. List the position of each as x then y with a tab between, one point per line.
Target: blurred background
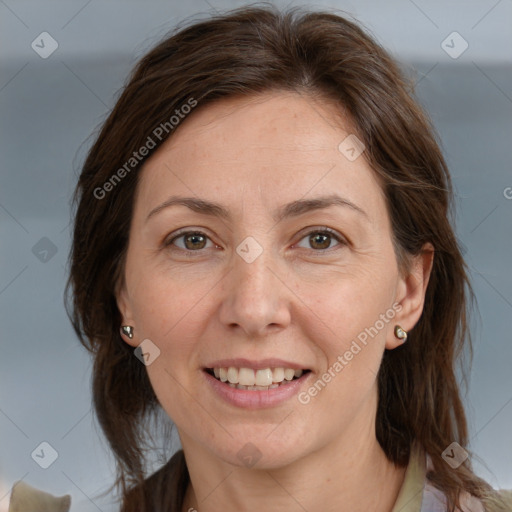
62	65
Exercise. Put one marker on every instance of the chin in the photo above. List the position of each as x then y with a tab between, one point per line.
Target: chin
260	452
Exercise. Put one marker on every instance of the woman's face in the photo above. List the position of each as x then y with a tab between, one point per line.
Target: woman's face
264	287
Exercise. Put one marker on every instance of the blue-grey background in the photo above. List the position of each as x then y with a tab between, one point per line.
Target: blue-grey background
49	107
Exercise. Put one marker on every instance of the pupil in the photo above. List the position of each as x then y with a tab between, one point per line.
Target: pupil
194	237
326	240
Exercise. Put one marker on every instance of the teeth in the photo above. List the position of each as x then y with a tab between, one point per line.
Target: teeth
233	375
247	378
264	377
278	375
289	374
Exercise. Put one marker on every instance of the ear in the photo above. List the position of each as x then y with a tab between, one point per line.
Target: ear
123	304
411	289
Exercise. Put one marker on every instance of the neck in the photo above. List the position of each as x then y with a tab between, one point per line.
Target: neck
350	473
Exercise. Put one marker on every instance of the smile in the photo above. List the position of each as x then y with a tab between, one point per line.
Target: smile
267	387
255	380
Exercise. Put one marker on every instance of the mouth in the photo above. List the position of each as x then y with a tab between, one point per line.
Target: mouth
250	379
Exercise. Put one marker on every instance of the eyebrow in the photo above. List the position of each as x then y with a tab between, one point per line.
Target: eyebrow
293	209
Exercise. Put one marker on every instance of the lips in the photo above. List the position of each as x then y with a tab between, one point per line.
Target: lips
256	383
256	397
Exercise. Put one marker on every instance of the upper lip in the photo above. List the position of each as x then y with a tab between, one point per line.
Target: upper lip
260	364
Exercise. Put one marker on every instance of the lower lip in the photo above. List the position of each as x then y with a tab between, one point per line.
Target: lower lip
255	399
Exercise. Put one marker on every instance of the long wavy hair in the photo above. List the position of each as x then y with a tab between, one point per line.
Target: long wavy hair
241	53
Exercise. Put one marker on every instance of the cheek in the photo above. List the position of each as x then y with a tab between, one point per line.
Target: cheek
350	338
169	313
347	305
350	347
166	308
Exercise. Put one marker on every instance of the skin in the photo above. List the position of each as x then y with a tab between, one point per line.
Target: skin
299	300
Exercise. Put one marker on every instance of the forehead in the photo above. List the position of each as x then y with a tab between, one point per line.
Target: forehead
273	147
275	122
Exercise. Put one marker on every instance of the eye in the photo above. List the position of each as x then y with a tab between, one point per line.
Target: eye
193	240
320	239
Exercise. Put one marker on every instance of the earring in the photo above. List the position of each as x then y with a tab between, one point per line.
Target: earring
127	330
400	333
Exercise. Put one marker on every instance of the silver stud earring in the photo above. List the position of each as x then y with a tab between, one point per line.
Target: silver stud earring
400	333
127	330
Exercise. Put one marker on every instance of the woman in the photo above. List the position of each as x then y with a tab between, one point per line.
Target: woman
263	251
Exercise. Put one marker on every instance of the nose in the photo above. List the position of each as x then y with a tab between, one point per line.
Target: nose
256	298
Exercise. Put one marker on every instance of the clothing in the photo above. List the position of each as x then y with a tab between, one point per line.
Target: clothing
25	498
416	494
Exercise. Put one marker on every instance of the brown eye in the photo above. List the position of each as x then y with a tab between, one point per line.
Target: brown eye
193	240
320	240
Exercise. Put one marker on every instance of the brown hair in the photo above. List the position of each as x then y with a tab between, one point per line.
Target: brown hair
246	52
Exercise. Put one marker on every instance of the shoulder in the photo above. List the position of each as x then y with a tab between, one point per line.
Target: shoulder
435	501
25	498
418	494
506	496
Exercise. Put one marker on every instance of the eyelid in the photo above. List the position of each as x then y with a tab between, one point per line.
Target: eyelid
342	240
168	240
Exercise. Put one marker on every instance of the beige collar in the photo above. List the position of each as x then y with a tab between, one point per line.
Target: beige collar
411	493
417	494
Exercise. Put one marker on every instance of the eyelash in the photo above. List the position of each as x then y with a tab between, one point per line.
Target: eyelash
324	230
